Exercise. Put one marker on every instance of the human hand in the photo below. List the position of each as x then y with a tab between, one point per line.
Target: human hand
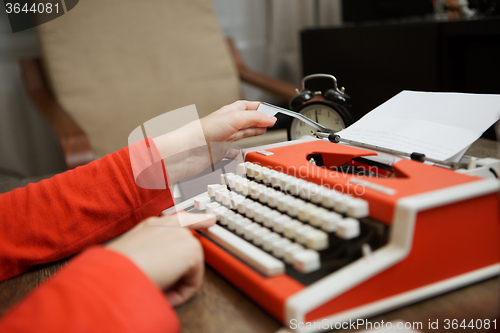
170	255
185	150
236	121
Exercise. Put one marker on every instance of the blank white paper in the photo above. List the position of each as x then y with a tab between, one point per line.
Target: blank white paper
439	125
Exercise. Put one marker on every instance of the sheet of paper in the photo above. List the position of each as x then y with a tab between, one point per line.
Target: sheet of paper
439	125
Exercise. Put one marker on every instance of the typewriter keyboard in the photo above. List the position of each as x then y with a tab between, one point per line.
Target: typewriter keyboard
277	223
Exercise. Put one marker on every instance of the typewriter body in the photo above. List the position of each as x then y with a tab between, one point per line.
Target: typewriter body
426	230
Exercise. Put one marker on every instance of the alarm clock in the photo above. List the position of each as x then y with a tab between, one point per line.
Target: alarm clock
327	106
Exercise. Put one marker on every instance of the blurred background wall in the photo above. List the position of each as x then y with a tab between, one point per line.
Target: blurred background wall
28	146
265	31
268	35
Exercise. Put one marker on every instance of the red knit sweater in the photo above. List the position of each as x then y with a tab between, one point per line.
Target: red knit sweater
99	290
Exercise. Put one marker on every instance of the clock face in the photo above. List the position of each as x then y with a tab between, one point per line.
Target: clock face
321	114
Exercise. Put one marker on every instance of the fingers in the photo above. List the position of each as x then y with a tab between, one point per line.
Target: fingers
241	106
182	219
232	153
253	119
187	286
194	221
248	132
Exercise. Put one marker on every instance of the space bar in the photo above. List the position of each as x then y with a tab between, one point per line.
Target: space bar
261	261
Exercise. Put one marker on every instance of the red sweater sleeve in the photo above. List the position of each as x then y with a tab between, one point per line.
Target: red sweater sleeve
98	291
89	205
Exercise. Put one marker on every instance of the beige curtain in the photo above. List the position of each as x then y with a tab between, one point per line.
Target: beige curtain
267	33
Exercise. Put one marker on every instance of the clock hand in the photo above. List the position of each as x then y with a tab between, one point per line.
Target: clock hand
272	110
316	113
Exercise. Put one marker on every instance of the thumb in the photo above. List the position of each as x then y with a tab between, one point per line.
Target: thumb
254	119
193	221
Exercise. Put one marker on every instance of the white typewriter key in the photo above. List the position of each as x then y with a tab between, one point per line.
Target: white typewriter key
226	198
253	190
329	198
329	221
306	261
250	209
314	190
242	168
315	217
279	247
259	173
211	206
267	176
317	240
235	201
276	179
249	230
242	206
239	225
341	203
357	208
219	211
366	249
297	187
306	190
256	231
269	240
293	186
264	194
348	228
201	202
290	250
232	181
302	232
290	228
259	214
292	208
258	236
273	197
231	221
262	188
214	187
224	176
305	212
279	223
284	201
224	218
285	182
245	190
220	193
263	262
317	195
240	183
252	170
270	217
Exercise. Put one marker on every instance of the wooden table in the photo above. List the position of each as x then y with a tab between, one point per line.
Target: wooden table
220	307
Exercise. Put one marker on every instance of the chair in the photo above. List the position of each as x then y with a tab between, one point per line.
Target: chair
108	66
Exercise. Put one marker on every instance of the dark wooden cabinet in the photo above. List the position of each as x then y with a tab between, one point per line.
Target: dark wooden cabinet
376	61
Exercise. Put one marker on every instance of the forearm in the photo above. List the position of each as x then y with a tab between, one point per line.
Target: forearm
61	216
98	291
184	151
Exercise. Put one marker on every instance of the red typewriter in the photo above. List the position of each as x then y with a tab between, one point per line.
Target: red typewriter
316	231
